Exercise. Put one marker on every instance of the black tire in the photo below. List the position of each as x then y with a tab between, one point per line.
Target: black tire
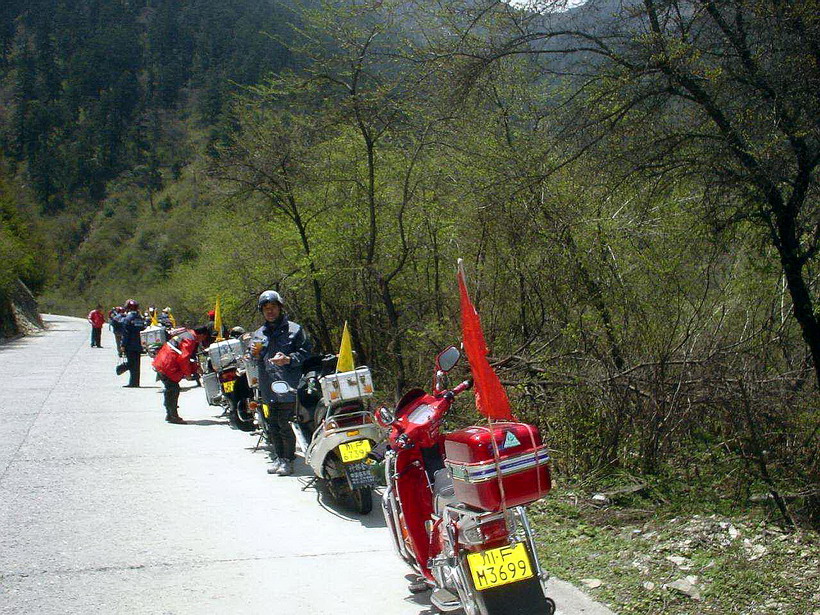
239	417
522	598
362	500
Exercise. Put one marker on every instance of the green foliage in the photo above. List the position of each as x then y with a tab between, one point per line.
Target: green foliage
84	82
23	251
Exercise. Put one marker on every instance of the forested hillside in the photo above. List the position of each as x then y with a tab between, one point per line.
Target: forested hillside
633	187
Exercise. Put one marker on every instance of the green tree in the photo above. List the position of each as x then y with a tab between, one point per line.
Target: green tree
724	92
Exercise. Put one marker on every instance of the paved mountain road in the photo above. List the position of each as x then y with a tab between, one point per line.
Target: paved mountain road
105	508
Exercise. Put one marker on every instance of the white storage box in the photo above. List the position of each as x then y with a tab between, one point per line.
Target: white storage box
225	353
251	370
153	337
343	386
213	390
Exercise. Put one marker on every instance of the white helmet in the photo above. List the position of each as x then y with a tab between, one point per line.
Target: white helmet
269	296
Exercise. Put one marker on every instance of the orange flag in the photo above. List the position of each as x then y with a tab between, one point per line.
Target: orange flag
490	397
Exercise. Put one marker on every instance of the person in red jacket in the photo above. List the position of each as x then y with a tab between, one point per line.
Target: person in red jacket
97	320
177	360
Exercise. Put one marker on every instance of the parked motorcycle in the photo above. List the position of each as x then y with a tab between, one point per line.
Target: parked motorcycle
344	432
226	382
454	503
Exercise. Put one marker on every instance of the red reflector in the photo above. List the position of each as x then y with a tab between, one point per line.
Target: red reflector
494	530
227	376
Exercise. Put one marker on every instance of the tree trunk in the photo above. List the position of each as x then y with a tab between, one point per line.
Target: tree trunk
788	249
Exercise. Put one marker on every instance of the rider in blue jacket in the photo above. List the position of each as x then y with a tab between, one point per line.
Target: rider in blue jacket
280	346
132	323
115	317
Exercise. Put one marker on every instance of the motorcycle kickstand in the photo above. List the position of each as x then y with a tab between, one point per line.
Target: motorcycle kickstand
310	482
259	441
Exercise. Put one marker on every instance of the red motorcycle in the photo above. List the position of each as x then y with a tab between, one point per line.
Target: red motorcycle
454	503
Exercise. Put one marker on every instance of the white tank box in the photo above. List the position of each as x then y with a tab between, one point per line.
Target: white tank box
153	337
225	353
343	386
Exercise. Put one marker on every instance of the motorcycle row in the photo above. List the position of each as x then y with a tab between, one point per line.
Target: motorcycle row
454	503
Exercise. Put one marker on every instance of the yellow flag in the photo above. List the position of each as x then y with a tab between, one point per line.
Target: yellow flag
345	362
218	321
154	319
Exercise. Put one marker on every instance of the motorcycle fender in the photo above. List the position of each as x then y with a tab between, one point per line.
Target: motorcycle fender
323	444
391	509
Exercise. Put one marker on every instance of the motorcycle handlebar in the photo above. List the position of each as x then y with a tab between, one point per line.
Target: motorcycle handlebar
464	386
451	394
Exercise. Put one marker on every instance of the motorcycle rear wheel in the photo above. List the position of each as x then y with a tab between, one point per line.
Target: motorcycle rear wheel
239	416
522	598
362	500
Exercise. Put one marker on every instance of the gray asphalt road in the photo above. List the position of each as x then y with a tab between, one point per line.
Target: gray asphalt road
105	508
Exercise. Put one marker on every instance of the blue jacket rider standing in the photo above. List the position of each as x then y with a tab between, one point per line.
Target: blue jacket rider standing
280	346
132	324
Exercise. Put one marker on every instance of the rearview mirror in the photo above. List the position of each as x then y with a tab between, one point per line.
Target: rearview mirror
385	416
447	358
280	387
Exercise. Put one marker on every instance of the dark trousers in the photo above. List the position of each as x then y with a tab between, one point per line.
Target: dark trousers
280	434
133	358
96	336
171	395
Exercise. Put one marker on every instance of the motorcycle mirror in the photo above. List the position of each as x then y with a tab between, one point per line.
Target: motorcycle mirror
385	416
447	358
280	387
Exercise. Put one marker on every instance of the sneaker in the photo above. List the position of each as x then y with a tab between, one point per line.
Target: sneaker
286	469
274	469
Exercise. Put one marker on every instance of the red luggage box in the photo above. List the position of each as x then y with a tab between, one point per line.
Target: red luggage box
522	459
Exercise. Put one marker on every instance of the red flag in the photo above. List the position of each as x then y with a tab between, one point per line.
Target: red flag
490	397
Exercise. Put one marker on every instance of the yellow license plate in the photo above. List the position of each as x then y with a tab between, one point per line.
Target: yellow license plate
500	566
353	451
228	386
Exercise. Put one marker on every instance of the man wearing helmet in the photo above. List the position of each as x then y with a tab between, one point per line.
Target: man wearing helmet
280	347
132	324
166	319
115	318
236	332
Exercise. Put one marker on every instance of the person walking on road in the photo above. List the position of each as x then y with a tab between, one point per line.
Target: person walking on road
97	320
132	324
280	347
177	360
